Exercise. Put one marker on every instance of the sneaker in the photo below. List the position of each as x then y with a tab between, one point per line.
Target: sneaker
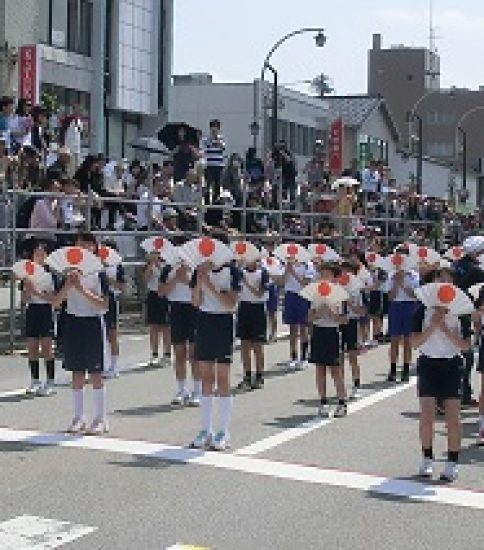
181	398
98	427
426	468
194	400
77	426
34	388
220	442
46	390
405	376
165	361
258	383
480	437
111	374
450	473
392	377
245	384
154	362
202	441
324	411
341	410
302	365
292	365
355	393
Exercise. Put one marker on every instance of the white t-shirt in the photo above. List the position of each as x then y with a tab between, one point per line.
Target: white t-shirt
303	271
259	278
325	321
225	280
410	282
153	281
356	300
78	305
181	292
438	346
45	283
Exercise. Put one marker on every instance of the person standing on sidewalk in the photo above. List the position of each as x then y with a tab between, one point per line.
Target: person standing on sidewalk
214	147
469	273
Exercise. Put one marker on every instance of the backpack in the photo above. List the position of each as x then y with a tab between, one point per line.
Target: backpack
24	213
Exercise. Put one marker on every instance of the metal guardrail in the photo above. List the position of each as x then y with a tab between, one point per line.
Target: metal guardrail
10	233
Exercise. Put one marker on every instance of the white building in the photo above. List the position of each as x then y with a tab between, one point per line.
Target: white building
302	118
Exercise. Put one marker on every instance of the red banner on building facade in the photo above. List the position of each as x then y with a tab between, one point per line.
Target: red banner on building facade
29	81
336	147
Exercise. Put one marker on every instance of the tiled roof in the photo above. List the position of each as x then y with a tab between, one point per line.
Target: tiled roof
355	110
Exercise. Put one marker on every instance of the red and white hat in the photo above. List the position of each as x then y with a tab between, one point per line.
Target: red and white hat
245	251
292	251
397	262
324	292
445	295
205	249
26	269
323	252
425	255
74	257
455	253
109	256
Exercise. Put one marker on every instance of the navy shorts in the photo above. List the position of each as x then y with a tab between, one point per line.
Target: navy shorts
273	300
401	318
349	335
439	378
83	344
183	317
39	321
325	347
214	337
157	309
252	322
296	309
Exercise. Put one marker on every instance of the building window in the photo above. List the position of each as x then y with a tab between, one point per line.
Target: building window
66	24
79	19
440	118
440	149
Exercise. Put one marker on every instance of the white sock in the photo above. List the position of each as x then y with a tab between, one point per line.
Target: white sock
181	384
206	406
481	421
100	404
197	387
114	362
225	410
78	396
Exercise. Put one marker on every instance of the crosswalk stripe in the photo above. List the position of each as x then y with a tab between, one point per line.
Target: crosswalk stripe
368	483
32	532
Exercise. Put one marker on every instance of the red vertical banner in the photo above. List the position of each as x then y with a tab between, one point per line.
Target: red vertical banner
336	147
29	82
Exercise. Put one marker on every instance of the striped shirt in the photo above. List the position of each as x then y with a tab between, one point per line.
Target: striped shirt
214	151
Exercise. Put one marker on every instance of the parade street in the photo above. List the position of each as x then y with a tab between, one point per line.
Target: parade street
290	480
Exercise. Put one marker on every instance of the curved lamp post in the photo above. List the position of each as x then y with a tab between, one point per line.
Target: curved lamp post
320	40
459	130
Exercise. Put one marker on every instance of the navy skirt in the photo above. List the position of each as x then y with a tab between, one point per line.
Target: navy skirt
83	344
39	321
296	309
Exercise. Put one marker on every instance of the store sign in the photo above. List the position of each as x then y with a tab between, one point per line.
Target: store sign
336	146
29	74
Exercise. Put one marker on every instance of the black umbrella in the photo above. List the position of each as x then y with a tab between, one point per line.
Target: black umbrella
150	145
169	135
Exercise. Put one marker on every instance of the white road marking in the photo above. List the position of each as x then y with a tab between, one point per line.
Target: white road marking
373	484
13	393
292	433
31	532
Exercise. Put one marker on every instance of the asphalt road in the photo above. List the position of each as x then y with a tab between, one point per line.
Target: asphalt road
290	481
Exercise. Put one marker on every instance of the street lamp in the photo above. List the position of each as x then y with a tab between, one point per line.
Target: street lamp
320	41
461	145
412	117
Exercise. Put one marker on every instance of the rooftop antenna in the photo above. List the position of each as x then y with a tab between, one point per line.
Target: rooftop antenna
432	35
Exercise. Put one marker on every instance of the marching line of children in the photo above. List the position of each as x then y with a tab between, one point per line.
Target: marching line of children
200	311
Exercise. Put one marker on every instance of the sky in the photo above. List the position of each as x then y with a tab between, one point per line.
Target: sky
230	38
